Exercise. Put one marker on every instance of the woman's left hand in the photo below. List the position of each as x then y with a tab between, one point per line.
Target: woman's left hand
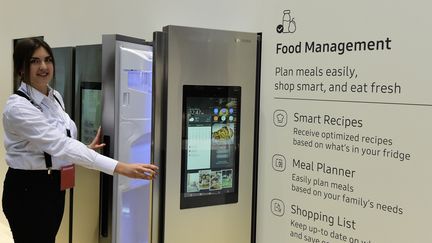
136	170
95	144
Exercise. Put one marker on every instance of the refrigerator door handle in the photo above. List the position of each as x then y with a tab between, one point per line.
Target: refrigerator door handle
105	193
125	98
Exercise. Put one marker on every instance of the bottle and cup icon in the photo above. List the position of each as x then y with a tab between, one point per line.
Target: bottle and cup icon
288	23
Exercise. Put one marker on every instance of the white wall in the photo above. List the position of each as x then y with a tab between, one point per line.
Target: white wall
79	22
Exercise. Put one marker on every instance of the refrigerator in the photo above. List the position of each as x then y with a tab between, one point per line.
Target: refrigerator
186	101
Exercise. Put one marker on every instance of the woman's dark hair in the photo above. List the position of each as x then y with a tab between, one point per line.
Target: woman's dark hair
23	52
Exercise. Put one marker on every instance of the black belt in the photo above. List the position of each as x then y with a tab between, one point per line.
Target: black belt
33	173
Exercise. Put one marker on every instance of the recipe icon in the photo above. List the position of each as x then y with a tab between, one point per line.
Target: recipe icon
280	118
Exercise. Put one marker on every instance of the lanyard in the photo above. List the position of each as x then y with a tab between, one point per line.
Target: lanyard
48	158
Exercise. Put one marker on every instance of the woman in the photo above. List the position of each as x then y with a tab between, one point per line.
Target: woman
39	142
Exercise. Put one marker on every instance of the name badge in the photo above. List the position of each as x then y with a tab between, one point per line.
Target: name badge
67	177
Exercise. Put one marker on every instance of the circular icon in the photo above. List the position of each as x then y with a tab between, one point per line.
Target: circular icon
279	162
279	28
277	207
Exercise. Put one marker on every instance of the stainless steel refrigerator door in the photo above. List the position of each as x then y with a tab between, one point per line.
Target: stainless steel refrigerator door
134	140
203	57
127	127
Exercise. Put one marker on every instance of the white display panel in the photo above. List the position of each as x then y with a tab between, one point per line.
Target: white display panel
345	122
91	110
199	148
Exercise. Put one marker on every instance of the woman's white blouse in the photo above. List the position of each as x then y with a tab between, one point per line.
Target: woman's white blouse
29	131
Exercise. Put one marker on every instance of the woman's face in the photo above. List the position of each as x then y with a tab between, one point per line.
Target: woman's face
41	69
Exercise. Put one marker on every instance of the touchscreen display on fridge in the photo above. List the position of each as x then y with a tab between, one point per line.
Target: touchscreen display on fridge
210	146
